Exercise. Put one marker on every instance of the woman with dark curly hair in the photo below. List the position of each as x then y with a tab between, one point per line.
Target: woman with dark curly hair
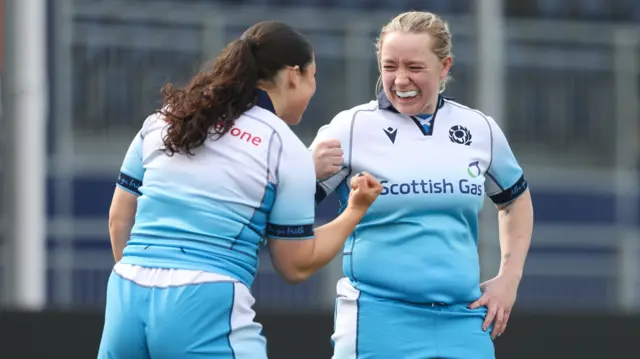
210	178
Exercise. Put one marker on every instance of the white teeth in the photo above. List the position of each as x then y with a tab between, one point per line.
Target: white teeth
407	94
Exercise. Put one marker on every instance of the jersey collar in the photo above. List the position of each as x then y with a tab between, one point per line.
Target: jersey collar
263	100
385	104
425	125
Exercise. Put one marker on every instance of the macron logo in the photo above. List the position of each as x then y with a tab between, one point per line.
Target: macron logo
391	133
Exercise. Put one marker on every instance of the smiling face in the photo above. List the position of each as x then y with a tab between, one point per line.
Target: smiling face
411	72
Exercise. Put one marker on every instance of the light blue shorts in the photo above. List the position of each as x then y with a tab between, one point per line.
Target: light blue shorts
167	314
368	327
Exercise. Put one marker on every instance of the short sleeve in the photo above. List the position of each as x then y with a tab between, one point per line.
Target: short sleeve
132	171
338	129
504	179
293	213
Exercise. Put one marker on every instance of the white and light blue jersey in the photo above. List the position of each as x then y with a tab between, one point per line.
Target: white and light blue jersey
418	241
213	211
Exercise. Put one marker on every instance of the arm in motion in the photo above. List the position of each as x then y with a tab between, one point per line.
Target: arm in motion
297	260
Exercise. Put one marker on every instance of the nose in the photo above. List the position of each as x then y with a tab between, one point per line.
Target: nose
402	80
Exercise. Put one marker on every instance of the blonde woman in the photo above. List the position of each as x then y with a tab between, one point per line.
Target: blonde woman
412	282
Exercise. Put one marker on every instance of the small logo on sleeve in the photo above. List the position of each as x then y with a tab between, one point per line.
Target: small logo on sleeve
391	133
460	135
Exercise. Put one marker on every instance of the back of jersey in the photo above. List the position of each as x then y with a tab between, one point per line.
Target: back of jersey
210	211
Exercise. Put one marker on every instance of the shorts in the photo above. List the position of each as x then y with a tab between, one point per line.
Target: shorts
368	327
167	313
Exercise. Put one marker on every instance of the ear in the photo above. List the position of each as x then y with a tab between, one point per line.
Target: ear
446	66
293	77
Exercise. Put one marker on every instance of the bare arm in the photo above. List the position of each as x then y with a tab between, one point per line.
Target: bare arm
515	221
296	261
121	219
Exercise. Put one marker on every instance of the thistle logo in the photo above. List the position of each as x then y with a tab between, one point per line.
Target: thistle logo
474	169
460	135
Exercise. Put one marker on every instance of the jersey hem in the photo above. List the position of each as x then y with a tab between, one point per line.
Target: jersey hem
375	293
164	264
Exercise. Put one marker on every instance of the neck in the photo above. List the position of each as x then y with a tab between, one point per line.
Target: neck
278	101
431	106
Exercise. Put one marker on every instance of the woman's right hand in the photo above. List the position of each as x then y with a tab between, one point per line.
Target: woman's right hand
328	158
364	191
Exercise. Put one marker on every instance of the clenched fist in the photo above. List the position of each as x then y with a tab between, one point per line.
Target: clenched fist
364	191
327	158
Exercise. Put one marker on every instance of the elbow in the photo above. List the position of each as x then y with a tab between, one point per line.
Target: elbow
116	224
297	277
294	275
121	216
119	225
113	224
293	260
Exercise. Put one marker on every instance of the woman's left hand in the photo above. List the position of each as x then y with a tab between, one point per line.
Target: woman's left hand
498	295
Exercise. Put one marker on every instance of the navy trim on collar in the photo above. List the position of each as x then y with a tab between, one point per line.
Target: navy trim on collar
385	104
263	100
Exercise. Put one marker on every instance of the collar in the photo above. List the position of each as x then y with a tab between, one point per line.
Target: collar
385	104
263	100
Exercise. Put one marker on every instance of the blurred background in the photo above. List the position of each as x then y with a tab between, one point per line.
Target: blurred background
562	77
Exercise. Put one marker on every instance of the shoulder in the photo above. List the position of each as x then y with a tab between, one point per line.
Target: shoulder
470	113
349	115
151	123
470	116
343	121
270	125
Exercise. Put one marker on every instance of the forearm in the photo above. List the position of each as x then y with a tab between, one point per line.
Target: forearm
298	260
330	238
516	228
119	232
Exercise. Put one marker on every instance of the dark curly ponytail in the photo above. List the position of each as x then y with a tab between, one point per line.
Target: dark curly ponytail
213	100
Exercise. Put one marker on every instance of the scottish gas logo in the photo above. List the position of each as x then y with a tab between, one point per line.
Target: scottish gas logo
430	186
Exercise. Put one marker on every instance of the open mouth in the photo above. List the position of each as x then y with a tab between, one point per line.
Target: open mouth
407	94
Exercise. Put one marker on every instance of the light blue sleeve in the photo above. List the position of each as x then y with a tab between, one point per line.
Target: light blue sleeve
293	213
504	179
132	170
338	129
